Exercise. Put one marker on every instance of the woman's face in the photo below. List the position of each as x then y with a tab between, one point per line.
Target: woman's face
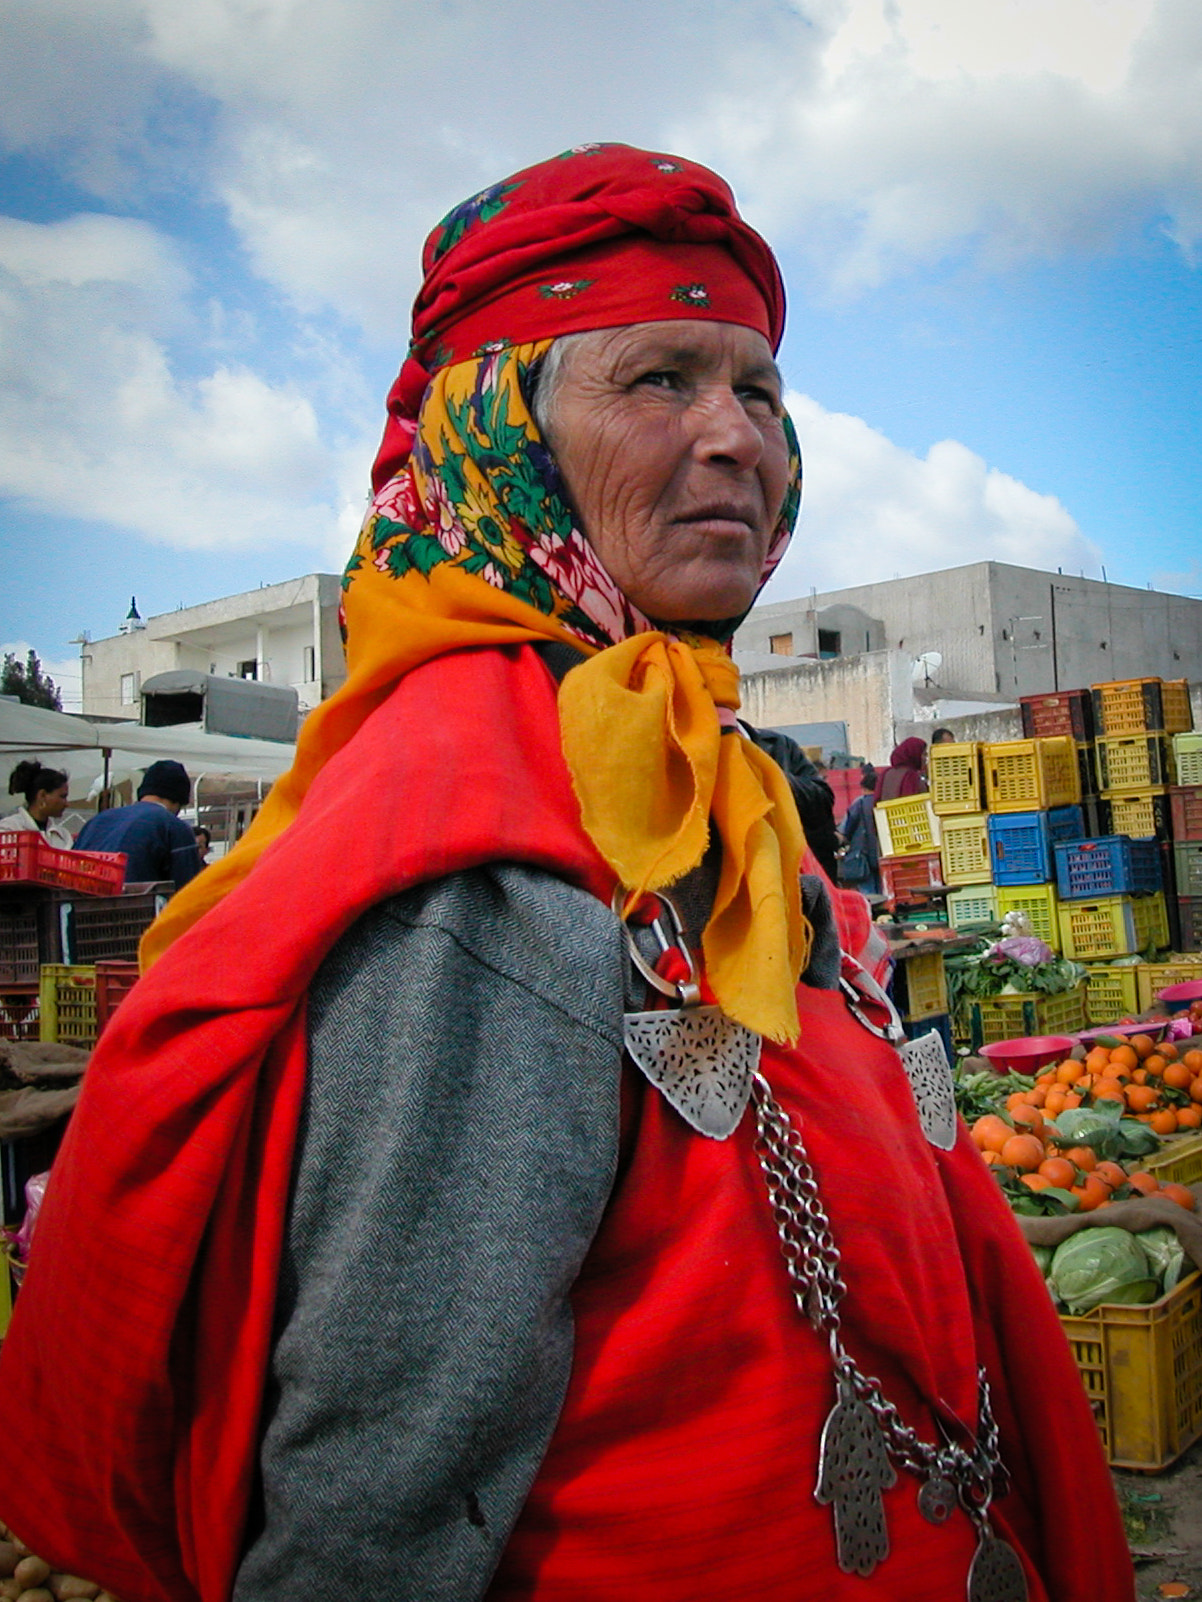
52	803
671	444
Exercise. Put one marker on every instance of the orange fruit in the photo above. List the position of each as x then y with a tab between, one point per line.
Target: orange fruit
1124	1056
1146	1184
1028	1119
1111	1174
1181	1194
1083	1157
992	1160
1193	1060
1097	1058
1024	1152
990	1133
1019	1098
1168	1050
1164	1122
1143	1046
1155	1065
1069	1071
1038	1096
1189	1117
1091	1194
1035	1181
1178	1076
1140	1076
1056	1103
1074	1099
1058	1171
1195	1089
1141	1098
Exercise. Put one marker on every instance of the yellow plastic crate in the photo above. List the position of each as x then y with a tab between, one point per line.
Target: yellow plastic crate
1144	815
1028	1013
1135	762
1041	905
964	849
1153	977
1111	993
1092	930
1129	706
1178	714
1151	916
67	1003
1031	775
976	904
1179	1162
954	775
907	826
1142	1371
1187	756
926	985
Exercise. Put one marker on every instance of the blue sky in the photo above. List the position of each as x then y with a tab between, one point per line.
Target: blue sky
989	216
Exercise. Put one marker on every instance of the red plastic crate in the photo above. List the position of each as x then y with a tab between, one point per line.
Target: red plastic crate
114	981
25	858
911	878
1064	712
1186	803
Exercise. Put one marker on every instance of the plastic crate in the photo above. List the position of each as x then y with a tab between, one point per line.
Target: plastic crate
110	927
970	907
1111	866
68	1003
1141	815
1021	843
1063	712
954	775
1179	1163
1028	1013
907	878
1153	977
1091	930
925	985
25	858
1111	993
1031	775
1189	923
114	981
1128	706
1087	771
29	934
1151	922
1187	860
1185	806
19	1017
1187	755
1135	762
1041	905
965	849
906	826
1178	714
1142	1371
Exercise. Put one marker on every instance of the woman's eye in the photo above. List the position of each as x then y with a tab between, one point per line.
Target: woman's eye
660	378
759	397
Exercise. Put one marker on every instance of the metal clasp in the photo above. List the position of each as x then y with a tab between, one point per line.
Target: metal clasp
861	991
686	991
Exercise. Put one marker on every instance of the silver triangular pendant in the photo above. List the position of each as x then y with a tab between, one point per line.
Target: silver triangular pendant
996	1574
930	1075
699	1060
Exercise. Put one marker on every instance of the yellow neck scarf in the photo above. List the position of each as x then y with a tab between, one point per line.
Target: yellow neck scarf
471	544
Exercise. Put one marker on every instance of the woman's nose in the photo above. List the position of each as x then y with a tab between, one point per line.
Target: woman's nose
726	434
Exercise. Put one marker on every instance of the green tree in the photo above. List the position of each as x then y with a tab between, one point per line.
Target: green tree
28	683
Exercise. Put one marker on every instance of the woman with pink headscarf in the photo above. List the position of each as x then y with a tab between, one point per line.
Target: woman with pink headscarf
904	775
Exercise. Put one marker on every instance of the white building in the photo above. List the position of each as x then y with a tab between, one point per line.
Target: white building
284	634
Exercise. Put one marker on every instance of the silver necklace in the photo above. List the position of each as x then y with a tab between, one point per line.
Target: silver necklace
708	1069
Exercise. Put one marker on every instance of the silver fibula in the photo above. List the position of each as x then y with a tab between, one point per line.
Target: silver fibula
930	1076
699	1060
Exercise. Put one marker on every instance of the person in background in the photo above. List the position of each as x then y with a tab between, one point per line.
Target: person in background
943	737
813	795
859	865
45	792
904	775
203	841
157	845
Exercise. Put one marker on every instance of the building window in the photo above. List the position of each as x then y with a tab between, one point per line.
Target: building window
310	664
780	644
129	689
248	669
829	643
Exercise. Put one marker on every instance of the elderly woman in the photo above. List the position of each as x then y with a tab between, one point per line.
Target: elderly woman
46	792
414	1236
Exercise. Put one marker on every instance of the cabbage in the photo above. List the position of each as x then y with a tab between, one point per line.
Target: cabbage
1098	1265
1027	949
1043	1258
1165	1254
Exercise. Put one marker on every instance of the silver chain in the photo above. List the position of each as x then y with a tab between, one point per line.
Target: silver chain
813	1264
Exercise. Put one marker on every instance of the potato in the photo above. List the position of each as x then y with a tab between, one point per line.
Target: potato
9	1557
37	1593
32	1571
10	1589
69	1587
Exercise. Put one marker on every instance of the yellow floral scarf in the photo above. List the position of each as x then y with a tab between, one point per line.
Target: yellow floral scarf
472	543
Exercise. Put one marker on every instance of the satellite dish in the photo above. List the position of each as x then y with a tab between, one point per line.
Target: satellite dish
924	667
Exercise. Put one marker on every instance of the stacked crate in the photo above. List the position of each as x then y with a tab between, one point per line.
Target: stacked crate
908	834
1185	814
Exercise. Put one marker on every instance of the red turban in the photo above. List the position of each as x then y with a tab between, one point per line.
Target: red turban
602	236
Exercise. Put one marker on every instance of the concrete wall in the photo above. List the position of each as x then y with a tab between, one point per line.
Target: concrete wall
866	692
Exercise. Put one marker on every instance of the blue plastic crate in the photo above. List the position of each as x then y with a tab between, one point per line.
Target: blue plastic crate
1020	843
1114	865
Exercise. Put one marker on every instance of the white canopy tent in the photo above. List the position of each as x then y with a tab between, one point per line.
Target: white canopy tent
96	756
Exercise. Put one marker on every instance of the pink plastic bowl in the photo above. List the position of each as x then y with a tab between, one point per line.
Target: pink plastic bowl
1178	997
1025	1056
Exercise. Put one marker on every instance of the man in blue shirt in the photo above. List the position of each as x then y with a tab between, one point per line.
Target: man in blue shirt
156	843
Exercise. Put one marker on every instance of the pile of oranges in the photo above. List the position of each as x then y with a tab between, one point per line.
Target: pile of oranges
1150	1082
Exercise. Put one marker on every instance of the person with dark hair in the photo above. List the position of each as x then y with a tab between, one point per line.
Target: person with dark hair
529	1197
45	791
814	797
204	840
943	737
905	773
157	845
859	864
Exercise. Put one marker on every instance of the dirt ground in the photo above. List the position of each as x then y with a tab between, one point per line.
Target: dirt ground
1163	1514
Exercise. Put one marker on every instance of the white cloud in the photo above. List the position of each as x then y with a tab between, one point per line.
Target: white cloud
96	424
872	510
